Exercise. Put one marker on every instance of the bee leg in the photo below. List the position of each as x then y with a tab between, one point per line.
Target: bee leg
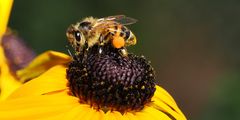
85	54
123	52
100	50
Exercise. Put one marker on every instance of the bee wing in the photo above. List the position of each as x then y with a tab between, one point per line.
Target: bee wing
122	19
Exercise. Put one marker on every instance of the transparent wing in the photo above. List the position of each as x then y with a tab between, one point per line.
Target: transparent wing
122	19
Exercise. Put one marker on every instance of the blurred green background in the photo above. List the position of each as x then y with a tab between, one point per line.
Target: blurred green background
194	46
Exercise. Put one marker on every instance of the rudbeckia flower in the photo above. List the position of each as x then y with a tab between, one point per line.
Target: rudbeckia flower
50	95
100	87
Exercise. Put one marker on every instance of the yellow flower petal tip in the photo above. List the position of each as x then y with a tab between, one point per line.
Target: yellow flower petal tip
41	64
5	8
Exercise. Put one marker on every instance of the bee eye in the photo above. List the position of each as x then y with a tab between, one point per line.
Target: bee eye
77	35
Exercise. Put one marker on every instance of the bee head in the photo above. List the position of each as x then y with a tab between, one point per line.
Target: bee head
76	37
78	33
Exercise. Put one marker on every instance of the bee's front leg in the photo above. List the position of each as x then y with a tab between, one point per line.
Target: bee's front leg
123	52
101	43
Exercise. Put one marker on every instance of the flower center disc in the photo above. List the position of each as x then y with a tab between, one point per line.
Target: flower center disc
109	81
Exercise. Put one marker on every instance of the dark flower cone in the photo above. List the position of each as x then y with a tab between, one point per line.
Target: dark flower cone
110	81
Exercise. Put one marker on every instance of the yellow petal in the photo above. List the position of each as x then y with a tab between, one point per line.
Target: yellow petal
162	95
98	115
52	80
86	115
161	106
131	116
52	117
36	106
110	116
41	64
115	115
89	115
144	116
160	90
5	8
153	114
8	83
76	112
164	99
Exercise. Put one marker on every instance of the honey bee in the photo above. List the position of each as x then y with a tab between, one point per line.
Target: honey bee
92	31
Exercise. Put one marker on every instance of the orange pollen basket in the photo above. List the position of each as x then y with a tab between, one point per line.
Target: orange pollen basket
118	42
